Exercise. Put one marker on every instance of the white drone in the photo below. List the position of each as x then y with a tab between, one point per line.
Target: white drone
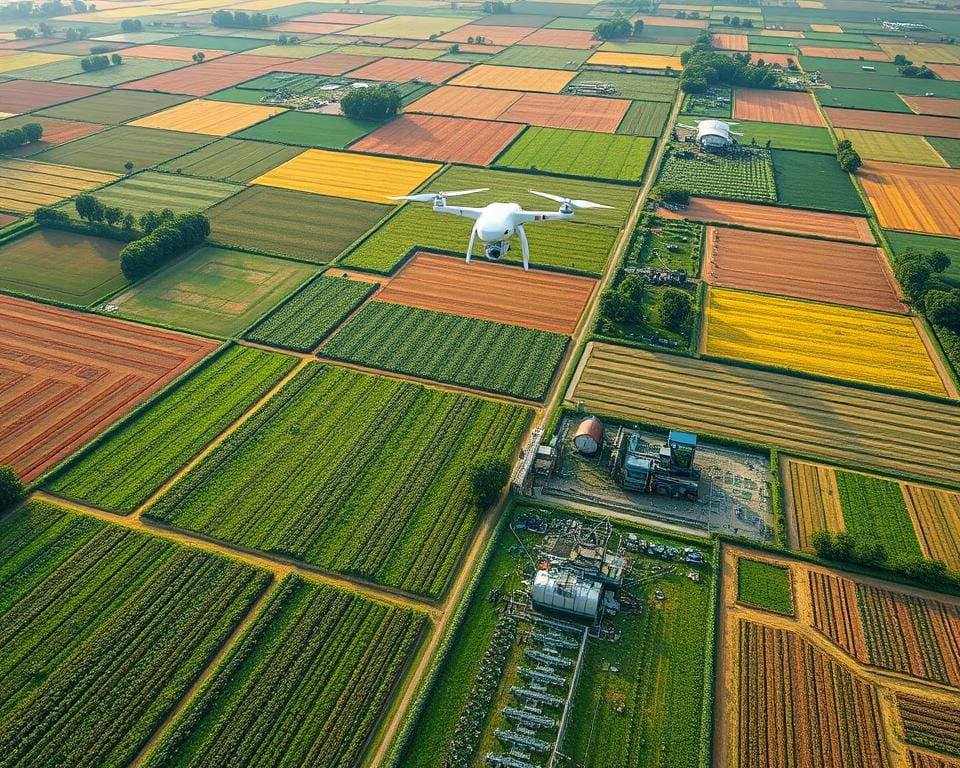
497	222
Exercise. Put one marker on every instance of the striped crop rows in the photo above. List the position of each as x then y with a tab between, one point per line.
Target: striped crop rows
930	724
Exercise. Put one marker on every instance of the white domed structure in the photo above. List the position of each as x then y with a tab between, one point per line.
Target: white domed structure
713	134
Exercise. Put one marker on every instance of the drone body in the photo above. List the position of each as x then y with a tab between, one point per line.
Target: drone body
496	223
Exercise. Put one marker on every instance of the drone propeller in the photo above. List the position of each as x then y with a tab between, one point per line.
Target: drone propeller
427	197
568	201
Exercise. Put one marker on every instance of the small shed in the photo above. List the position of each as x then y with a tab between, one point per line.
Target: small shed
589	436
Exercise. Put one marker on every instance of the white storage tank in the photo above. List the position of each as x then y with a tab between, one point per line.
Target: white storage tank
589	436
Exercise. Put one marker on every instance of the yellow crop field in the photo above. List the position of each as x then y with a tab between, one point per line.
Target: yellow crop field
216	118
826	28
924	53
936	519
811	500
344	174
23	59
515	78
823	339
635	60
412	27
892	147
25	185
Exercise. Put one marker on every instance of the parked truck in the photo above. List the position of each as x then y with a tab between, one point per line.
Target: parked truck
668	472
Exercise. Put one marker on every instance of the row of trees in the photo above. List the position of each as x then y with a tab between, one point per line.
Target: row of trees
908	69
704	67
27	9
618	27
167	241
100	61
241	20
919	274
29	133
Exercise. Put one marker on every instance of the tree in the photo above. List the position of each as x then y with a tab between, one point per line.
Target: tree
376	103
487	475
943	308
914	277
617	27
128	166
638	27
47	215
11	489
25	33
198	57
116	58
675	309
94	63
32	132
672	194
901	61
149	221
131	25
88	207
128	222
112	214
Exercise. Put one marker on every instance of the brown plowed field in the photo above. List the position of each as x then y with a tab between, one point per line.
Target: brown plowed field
927	760
67	376
403	70
843	53
445	139
561	38
730	42
894	122
28	95
946	71
210	76
550	301
791	107
770	217
326	64
916	198
799	267
460	101
930	105
582	113
830	421
490	34
54	132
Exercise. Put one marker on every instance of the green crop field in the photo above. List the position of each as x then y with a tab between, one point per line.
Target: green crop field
782	136
748	176
853	98
130	69
304	226
764	585
900	241
579	153
215	291
308	317
153	191
232	160
110	150
62	266
307	129
808	180
540	56
626	86
123	471
114	107
305	685
645	118
373	483
104	630
580	247
948	149
483	354
875	510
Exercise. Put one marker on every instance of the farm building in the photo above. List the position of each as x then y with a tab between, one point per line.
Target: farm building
566	592
713	134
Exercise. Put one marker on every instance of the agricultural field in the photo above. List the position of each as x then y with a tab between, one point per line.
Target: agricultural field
537	299
75	374
809	418
106	615
812	501
645	118
579	153
55	132
913	198
342	174
465	351
514	78
845	343
804	138
25	185
61	266
214	118
763	585
307	129
28	95
629	86
406	70
304	226
214	291
903	240
856	98
801	268
947	149
809	180
791	107
132	462
892	147
317	662
919	125
747	176
231	160
635	60
309	316
368	503
874	510
544	57
153	191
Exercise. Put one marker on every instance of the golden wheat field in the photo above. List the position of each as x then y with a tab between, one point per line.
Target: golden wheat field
822	339
913	197
936	520
635	60
25	184
216	118
344	174
811	499
515	78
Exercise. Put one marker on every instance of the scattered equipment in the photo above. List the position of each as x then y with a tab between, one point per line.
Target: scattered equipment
670	472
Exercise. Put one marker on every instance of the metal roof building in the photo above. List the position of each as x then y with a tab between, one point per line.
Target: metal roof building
565	592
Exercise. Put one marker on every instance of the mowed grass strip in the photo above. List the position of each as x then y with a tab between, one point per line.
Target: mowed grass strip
61	266
216	118
213	291
305	226
645	118
764	585
110	150
482	354
127	467
387	499
892	147
822	339
344	174
308	317
307	129
231	160
579	153
153	191
25	185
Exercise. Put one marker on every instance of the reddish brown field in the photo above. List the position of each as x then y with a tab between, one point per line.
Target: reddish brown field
582	113
550	301
172	52
792	107
326	64
54	132
27	95
927	760
894	122
445	139
489	33
844	53
460	101
16	45
946	71
930	105
561	38
210	76
66	376
404	70
729	42
769	217
802	268
6	218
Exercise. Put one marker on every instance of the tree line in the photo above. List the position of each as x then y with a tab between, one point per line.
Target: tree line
703	67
